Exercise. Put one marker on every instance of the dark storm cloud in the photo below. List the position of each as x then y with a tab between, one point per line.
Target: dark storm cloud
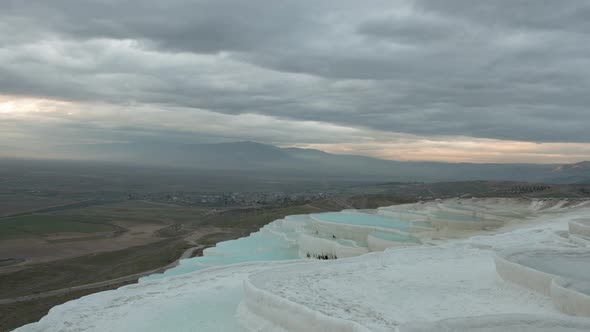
544	15
494	69
409	29
203	26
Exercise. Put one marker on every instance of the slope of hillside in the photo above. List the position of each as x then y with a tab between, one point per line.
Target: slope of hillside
572	173
583	166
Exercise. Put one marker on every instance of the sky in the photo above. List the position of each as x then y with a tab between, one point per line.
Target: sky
454	80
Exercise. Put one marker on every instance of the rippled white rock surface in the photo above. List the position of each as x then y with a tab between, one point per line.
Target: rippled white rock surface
435	271
501	323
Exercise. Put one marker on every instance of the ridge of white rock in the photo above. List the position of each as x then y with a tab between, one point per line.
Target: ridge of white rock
509	322
434	275
580	227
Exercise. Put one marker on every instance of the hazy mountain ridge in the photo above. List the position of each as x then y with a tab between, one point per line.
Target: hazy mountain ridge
583	166
251	156
573	173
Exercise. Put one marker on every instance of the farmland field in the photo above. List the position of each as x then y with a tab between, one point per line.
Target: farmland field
41	225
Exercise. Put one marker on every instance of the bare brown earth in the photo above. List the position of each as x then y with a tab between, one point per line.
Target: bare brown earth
105	283
133	224
59	246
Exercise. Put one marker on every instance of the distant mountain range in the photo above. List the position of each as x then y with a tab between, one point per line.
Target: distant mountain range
581	167
573	173
263	158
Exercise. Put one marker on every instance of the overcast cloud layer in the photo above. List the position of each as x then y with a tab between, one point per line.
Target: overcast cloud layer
343	75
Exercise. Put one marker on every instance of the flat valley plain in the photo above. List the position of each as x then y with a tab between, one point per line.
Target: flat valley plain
68	229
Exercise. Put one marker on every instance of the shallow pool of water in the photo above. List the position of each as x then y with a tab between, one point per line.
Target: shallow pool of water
394	237
363	219
569	265
260	246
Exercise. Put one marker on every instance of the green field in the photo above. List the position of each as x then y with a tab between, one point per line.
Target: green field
90	268
139	212
40	225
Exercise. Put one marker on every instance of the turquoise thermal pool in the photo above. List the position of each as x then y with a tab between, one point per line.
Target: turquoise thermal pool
394	237
362	219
